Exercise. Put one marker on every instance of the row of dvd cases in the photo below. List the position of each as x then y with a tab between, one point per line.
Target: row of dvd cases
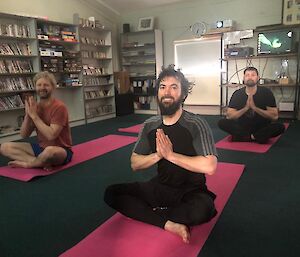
79	55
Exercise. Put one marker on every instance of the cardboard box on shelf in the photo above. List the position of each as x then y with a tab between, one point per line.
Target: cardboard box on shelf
122	82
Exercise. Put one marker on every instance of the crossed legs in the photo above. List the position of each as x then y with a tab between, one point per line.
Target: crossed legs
141	201
23	156
260	134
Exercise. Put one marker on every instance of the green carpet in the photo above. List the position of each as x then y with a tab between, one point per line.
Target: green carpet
48	215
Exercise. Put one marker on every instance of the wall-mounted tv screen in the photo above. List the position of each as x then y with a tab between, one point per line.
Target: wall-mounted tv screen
275	42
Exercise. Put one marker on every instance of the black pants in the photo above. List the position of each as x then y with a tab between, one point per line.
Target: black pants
261	133
138	201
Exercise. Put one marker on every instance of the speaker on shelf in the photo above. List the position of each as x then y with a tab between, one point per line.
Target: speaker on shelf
126	28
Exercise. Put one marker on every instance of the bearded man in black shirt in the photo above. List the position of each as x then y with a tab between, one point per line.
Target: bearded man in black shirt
182	146
252	112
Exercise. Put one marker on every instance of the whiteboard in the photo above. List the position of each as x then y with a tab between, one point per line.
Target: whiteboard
199	60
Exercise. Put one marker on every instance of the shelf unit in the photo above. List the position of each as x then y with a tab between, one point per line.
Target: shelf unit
270	67
19	62
84	71
60	54
97	72
142	57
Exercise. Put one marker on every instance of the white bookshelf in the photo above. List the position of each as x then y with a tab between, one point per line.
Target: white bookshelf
19	62
97	70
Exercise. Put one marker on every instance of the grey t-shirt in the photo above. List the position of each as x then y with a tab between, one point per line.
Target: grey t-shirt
190	136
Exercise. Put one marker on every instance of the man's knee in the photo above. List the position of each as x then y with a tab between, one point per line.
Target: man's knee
202	215
110	194
223	123
51	154
203	211
113	193
281	128
6	148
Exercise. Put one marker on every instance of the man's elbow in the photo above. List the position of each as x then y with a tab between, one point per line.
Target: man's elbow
133	163
24	134
212	167
211	170
52	136
230	116
133	167
275	117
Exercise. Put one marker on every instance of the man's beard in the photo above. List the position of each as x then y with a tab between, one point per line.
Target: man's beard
169	109
250	83
44	95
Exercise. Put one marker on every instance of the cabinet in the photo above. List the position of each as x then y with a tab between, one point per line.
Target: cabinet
97	72
142	57
59	54
279	72
18	63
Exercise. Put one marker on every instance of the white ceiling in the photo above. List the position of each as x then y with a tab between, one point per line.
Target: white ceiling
121	6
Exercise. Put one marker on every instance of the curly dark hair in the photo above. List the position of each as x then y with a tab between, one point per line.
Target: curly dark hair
251	69
186	86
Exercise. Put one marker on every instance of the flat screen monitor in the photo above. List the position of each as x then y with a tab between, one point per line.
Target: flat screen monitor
275	42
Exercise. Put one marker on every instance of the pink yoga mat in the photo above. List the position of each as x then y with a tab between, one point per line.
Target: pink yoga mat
123	237
133	129
82	152
226	143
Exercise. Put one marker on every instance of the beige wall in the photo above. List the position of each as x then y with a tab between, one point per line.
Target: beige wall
174	20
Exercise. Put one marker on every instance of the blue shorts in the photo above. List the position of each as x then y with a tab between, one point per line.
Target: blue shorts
37	149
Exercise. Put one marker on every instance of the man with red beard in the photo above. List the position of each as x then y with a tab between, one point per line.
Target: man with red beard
49	118
252	112
182	146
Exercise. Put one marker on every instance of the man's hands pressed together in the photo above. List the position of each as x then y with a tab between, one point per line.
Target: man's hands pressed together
31	107
164	146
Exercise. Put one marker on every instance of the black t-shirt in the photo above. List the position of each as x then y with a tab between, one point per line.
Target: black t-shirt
263	98
190	136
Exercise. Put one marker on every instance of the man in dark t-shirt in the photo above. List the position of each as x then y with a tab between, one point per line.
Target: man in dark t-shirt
252	112
182	146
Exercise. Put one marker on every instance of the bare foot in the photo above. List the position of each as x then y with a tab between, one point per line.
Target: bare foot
178	229
18	164
48	168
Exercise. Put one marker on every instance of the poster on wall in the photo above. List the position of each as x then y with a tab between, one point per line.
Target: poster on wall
291	12
199	60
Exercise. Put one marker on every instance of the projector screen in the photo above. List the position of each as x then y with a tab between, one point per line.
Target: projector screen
199	60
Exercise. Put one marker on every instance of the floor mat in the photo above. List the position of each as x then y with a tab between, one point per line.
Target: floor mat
82	152
254	147
121	236
132	129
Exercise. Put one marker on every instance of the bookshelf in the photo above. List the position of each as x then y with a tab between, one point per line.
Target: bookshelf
97	69
59	54
19	62
142	57
82	66
271	67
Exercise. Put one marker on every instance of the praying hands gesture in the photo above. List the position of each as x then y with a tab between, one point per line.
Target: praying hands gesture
31	107
250	103
270	113
164	150
164	145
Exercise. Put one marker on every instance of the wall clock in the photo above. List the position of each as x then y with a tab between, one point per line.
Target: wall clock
198	29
